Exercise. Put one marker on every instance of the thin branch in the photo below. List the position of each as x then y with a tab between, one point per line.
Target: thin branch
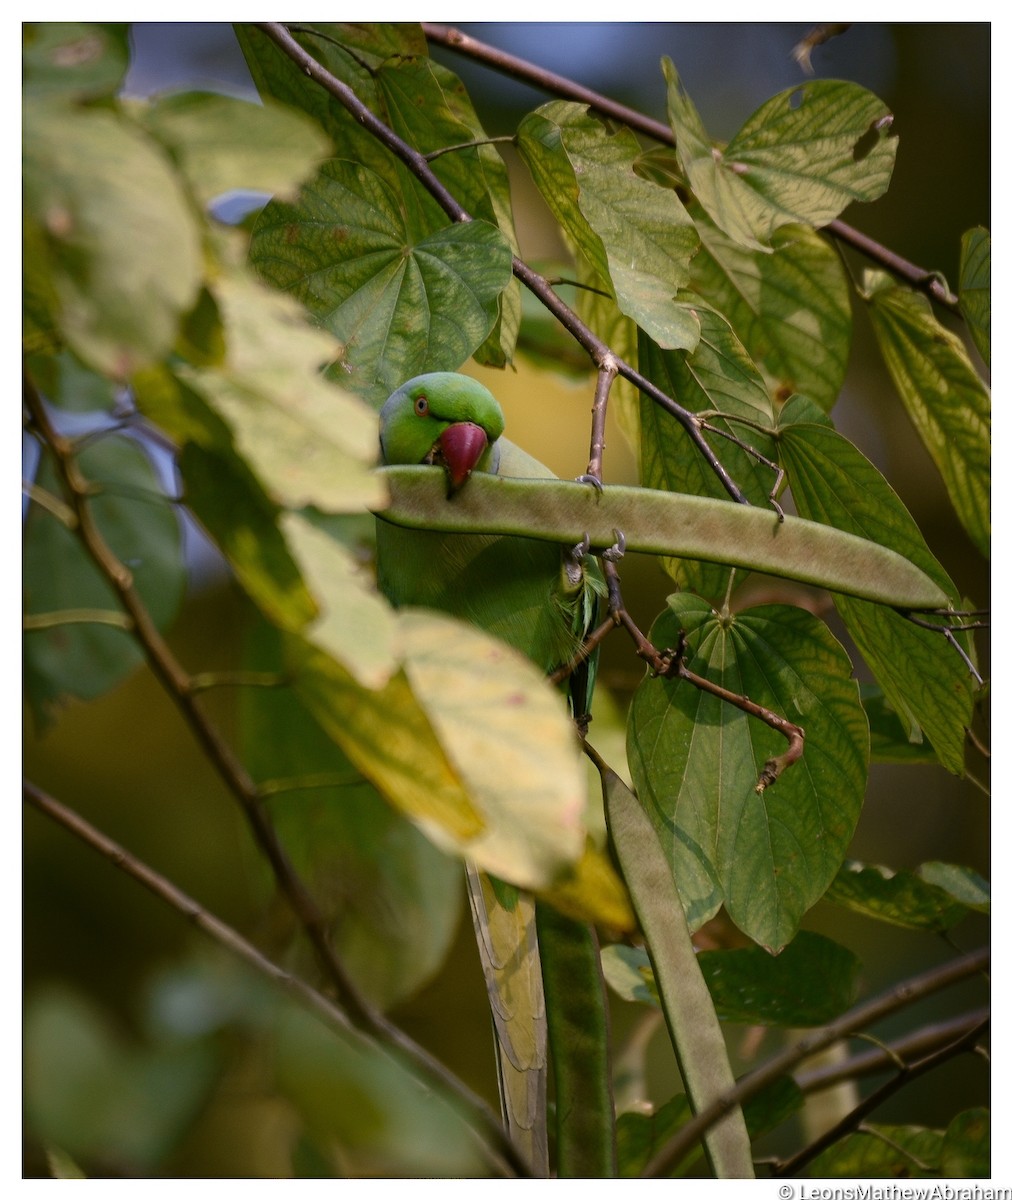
774	767
949	629
779	473
495	1150
670	664
488	141
177	683
189	908
52	504
872	1062
605	378
658	131
564	281
908	992
597	349
907	1074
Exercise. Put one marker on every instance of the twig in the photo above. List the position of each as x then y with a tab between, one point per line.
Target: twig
783	1063
320	1005
671	664
489	141
872	1062
906	1074
658	131
605	378
170	673
597	349
194	912
949	629
52	504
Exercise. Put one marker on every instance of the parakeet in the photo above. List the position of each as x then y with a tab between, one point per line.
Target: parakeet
537	598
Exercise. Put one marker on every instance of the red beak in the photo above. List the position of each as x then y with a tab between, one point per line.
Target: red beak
459	448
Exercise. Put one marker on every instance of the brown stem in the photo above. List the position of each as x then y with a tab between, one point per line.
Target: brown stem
558	85
906	1074
671	664
795	735
496	1148
194	912
883	1058
605	378
783	1063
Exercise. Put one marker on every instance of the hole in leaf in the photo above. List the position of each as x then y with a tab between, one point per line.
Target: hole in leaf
796	98
867	142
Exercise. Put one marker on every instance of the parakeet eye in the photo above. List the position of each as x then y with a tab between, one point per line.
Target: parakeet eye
422	406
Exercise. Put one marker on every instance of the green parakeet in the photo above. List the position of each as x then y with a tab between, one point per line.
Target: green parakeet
536	598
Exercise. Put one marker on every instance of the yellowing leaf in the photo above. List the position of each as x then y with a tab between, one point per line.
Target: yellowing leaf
593	891
388	737
509	735
356	625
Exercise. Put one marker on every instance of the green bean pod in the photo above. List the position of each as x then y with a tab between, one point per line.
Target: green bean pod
578	1039
688	1008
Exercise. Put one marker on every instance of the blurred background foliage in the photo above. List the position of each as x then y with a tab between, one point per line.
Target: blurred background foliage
147	1051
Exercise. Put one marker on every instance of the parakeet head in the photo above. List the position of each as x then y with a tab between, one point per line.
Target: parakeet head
442	418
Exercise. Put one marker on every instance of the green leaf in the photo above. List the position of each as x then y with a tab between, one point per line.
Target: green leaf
812	981
67	383
643	1135
696	759
121	241
923	678
101	1098
890	738
692	1023
308	441
400	307
85	659
392	900
74	60
944	397
356	625
428	107
353	54
962	883
230	504
222	143
975	288
634	233
662	523
628	973
790	308
226	497
717	377
882	1152
966	1146
803	156
351	1093
900	898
